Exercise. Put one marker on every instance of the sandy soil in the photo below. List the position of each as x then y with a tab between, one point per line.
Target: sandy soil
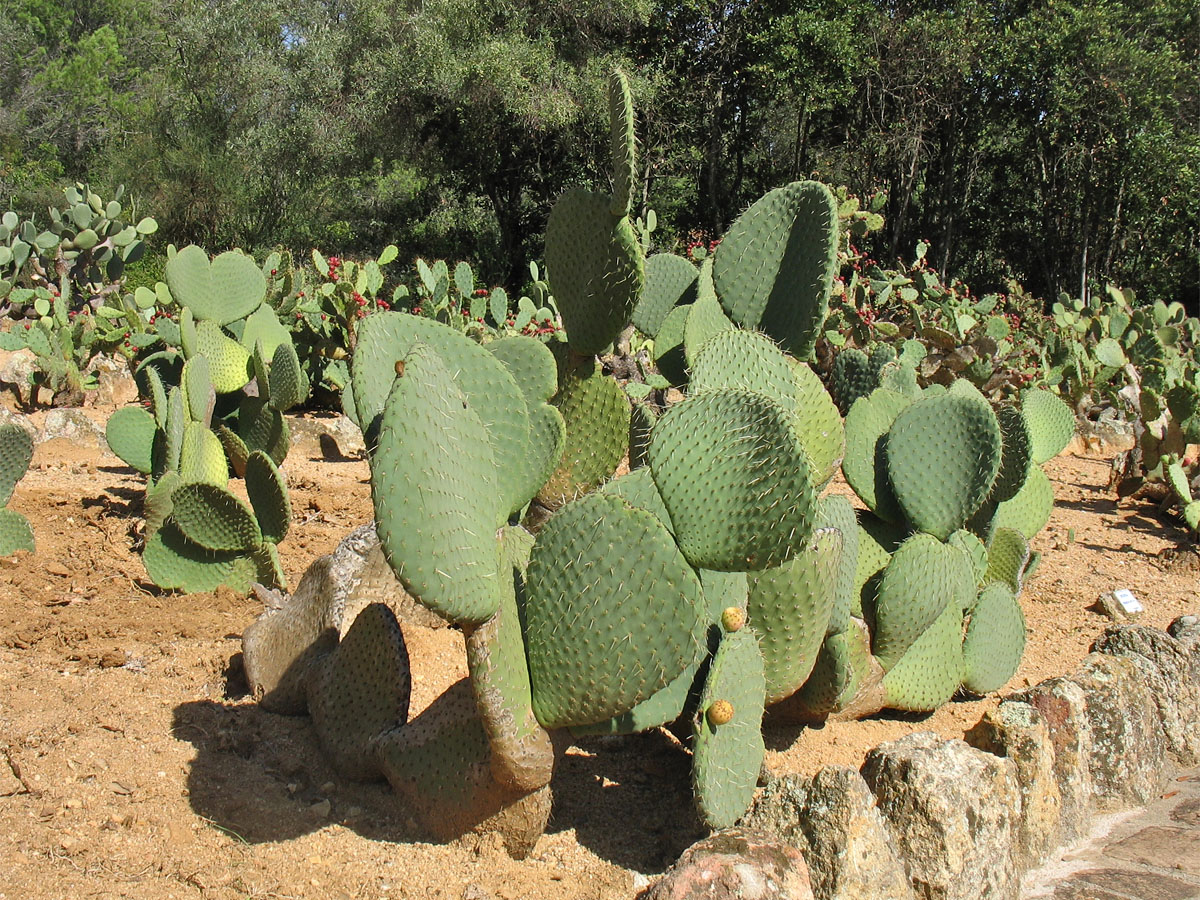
140	769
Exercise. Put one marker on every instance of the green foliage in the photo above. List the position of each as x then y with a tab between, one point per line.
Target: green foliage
16	452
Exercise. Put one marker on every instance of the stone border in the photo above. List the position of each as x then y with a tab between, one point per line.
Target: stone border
945	819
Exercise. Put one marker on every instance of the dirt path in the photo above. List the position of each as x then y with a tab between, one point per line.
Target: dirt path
140	769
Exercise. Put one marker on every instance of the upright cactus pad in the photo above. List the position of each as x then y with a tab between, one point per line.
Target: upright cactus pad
1051	424
931	670
818	425
1029	511
360	691
865	462
943	454
789	607
735	480
431	469
995	640
728	750
623	142
596	268
633	603
130	433
15	533
748	361
774	268
834	511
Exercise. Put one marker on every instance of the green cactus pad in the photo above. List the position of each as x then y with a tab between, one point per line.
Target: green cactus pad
900	376
790	606
975	550
215	519
728	757
522	758
228	361
1016	456
1051	423
262	427
705	321
662	708
157	504
130	434
174	430
157	394
596	268
596	413
531	365
175	563
835	511
774	268
669	357
852	377
748	361
360	691
842	664
865	462
633	604
269	566
487	385
267	489
735	480
223	291
924	578
954	438
288	385
641	422
1008	554
235	449
433	484
995	640
932	669
623	143
877	541
637	488
723	590
818	425
263	328
670	282
16	452
199	397
1029	511
15	533
201	457
547	440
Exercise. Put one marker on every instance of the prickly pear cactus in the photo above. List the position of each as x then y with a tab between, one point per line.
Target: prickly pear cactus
16	452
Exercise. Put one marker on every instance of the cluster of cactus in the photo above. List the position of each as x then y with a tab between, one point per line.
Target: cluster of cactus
708	583
16	452
87	243
216	396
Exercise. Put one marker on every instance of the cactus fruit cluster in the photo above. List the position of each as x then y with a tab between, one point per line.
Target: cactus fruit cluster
216	395
16	452
707	585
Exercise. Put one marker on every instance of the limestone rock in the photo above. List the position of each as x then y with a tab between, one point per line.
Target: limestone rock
334	436
73	425
953	812
1186	630
1127	748
1063	708
1173	676
735	864
1018	732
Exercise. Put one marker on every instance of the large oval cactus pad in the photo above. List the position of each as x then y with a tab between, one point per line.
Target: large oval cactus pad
995	640
942	455
774	268
613	611
433	484
735	480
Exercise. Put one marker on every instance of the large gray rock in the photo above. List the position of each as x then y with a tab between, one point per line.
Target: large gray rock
17	368
1173	676
1018	732
735	864
1186	630
73	425
833	820
1063	708
953	812
1128	750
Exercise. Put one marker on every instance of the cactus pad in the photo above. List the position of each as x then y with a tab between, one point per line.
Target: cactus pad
360	691
1008	555
817	424
596	268
15	533
1051	423
932	669
633	605
267	490
954	438
727	758
130	434
748	361
670	282
223	291
865	462
835	511
431	467
995	640
1029	511
789	606
774	268
842	664
214	518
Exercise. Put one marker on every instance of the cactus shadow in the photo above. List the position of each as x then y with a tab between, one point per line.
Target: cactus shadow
261	778
628	799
